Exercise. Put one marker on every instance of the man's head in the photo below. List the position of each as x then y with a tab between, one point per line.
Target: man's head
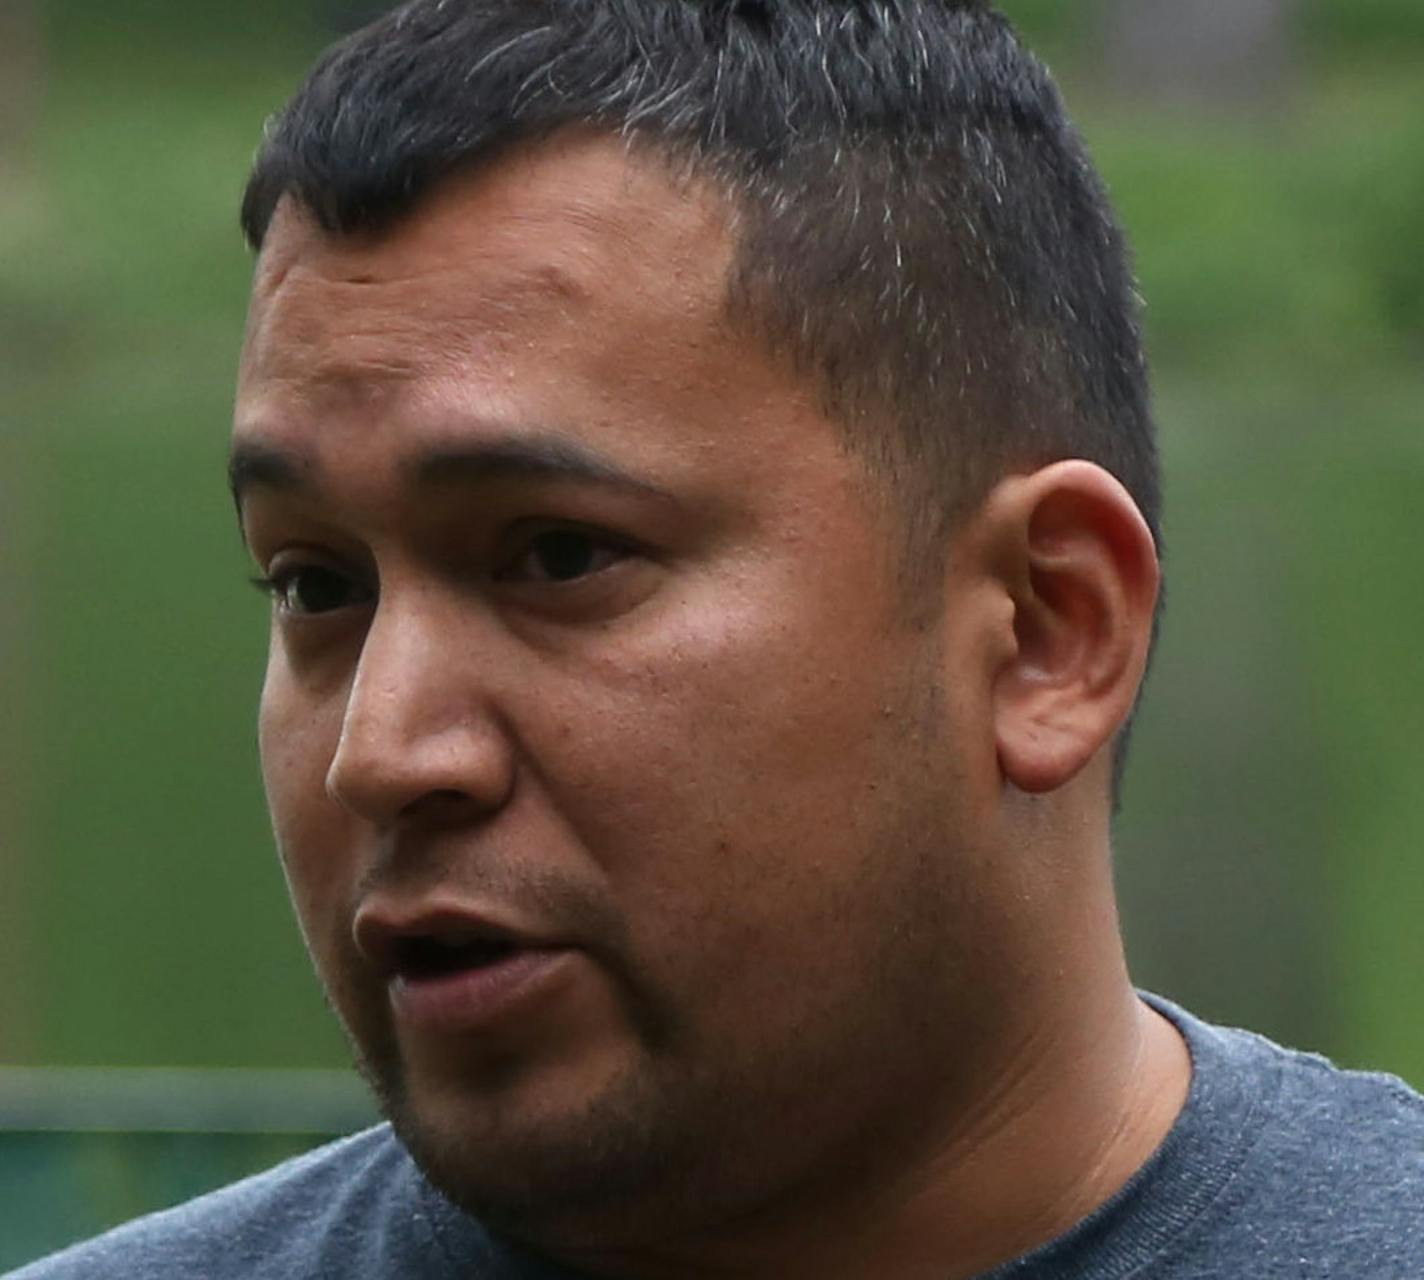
916	224
614	372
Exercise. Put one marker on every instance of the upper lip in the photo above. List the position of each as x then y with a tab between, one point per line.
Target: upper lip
384	931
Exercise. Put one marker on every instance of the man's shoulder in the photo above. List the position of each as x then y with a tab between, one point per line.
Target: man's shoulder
1319	1170
292	1220
1348	1137
1346	1127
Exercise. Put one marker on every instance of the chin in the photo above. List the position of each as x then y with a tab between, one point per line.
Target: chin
545	1165
555	1143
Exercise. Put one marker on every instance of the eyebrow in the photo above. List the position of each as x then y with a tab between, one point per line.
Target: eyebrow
260	466
255	464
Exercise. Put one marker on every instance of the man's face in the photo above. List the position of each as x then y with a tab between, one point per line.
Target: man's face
623	804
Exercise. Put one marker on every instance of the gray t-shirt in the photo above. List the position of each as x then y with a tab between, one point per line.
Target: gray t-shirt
1281	1167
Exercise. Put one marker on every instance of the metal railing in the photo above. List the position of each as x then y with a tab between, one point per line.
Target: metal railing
82	1150
160	1100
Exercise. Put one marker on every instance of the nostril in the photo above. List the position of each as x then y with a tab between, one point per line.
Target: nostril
445	795
449	806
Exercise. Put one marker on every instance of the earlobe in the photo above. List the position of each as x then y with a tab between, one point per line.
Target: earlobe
1080	566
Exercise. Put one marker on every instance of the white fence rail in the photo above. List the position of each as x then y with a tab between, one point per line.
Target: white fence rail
161	1100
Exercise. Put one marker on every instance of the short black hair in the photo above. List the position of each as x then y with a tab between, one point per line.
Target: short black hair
920	226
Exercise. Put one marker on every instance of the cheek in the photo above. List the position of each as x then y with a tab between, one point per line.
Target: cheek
296	742
737	779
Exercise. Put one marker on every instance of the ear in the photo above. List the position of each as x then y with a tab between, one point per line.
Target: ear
1079	564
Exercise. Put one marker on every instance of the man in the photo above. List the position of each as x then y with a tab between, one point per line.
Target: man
700	457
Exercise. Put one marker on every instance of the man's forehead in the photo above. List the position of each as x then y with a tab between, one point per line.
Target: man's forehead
547	288
564	222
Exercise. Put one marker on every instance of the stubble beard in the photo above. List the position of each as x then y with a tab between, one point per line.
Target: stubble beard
691	1133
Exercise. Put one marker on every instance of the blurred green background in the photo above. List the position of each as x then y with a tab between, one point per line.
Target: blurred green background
1270	168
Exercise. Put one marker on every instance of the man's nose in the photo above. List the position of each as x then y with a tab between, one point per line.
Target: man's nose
421	728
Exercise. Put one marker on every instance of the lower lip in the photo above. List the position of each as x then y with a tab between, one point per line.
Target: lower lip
473	999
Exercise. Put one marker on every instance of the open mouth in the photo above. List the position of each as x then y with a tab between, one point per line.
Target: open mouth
424	957
459	974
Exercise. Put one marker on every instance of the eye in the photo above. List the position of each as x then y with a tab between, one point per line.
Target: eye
311	589
562	555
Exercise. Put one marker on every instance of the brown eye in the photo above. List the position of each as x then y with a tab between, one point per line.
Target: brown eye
562	555
313	589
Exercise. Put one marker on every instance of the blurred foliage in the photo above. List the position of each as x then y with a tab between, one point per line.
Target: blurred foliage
1385	28
1268	844
1287	243
1327	28
161	935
